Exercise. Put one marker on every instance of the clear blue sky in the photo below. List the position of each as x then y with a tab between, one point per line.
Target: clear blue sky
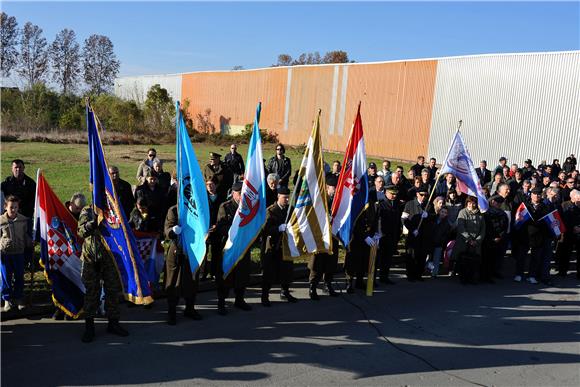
152	38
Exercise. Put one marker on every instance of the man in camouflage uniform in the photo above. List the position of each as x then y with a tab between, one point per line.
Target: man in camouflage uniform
98	265
239	277
274	267
324	264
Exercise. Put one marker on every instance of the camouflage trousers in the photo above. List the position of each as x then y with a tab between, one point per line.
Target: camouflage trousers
98	266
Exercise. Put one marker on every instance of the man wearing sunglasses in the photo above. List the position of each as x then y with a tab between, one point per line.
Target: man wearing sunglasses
235	162
280	165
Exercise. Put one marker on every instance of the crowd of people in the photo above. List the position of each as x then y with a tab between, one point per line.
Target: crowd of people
441	228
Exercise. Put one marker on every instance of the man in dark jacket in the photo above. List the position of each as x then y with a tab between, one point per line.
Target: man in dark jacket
235	162
540	240
389	213
123	190
571	218
274	268
356	261
280	165
418	167
239	277
220	173
179	281
21	186
155	197
483	173
412	214
496	228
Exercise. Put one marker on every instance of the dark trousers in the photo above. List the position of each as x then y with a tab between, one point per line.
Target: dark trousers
276	270
323	265
238	278
415	263
387	248
356	262
491	252
520	253
563	252
541	257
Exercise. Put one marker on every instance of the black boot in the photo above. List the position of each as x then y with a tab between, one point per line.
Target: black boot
349	286
312	292
240	303
285	295
190	311
266	296
89	333
115	328
330	289
221	307
171	312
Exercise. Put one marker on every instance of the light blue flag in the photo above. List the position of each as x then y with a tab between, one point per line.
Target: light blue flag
251	214
192	204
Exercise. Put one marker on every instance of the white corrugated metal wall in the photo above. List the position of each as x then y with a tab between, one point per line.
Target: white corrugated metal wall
515	105
136	88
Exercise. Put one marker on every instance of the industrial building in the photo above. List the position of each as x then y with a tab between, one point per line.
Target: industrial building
524	105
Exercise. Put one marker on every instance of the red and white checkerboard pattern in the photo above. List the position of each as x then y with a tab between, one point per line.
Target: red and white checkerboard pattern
58	249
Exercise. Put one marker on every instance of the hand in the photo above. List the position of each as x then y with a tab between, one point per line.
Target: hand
370	241
415	232
424	214
91	225
282	227
377	237
176	230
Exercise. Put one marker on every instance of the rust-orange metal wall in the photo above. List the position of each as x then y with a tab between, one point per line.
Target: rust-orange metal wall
397	102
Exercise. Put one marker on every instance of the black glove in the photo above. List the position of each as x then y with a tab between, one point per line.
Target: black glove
91	225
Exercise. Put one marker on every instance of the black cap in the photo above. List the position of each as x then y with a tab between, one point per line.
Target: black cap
536	190
392	188
528	161
423	188
283	190
497	198
214	155
331	180
237	186
502	158
372	165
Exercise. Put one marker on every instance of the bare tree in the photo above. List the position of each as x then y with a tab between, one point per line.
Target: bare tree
33	55
284	60
100	63
65	58
8	42
237	68
335	57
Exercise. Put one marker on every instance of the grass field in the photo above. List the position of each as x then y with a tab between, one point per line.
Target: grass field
66	166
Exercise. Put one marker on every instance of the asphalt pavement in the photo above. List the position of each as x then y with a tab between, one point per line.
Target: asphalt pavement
436	332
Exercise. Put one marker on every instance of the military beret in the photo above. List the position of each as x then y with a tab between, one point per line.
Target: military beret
237	186
536	190
497	198
214	155
331	180
392	188
423	188
283	190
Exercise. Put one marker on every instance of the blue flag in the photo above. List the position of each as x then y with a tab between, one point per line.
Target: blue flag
118	238
251	214
192	203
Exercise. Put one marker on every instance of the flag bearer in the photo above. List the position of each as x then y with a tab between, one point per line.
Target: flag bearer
324	264
98	265
273	266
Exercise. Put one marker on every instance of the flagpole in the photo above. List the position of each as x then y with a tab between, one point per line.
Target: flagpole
438	177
